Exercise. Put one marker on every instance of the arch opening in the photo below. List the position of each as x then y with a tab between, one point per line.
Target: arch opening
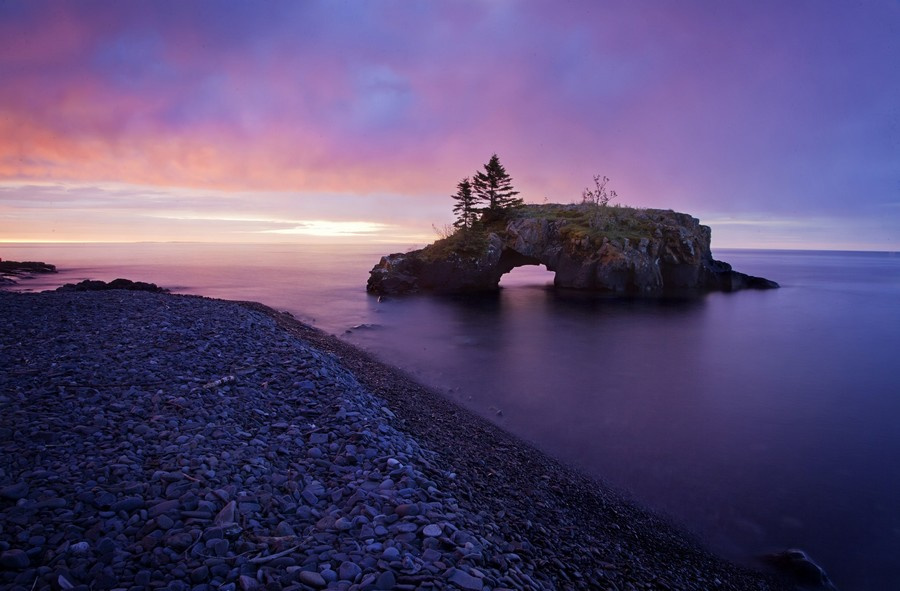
522	270
528	276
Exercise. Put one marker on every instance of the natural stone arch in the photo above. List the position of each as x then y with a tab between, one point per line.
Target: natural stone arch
654	251
533	270
511	259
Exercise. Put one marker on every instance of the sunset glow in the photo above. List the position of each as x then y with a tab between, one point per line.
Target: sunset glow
776	123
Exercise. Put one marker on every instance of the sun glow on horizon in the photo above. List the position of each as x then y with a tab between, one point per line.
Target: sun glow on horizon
330	228
116	115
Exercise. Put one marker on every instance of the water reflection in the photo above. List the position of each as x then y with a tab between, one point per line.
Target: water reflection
739	414
760	419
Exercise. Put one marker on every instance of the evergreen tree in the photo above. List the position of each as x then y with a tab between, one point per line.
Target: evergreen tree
465	207
493	186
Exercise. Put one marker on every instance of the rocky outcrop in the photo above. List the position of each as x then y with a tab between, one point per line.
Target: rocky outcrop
615	250
126	284
12	271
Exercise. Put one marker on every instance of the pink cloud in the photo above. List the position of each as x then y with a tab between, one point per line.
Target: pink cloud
694	106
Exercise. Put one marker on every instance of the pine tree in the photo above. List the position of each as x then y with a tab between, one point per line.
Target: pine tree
465	207
493	186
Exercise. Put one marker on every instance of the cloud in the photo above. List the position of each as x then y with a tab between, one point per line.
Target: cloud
767	108
154	213
330	228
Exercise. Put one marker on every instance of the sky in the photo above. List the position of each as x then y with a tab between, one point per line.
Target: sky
776	123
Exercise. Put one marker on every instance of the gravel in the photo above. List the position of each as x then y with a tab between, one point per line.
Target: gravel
154	441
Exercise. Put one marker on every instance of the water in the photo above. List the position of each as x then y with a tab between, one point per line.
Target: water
760	420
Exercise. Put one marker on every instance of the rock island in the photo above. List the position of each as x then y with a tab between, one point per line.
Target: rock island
612	249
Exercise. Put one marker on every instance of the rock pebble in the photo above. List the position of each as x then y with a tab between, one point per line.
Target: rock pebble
152	441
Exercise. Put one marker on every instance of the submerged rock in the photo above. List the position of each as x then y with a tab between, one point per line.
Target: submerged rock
801	568
605	249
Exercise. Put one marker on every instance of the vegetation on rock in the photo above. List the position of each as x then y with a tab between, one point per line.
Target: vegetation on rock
464	243
589	224
599	195
466	208
493	186
488	197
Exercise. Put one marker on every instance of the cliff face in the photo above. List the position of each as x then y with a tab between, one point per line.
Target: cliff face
612	250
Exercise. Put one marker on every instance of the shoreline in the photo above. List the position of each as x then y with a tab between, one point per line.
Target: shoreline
587	510
565	530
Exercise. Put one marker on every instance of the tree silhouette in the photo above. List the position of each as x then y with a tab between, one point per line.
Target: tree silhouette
493	186
466	209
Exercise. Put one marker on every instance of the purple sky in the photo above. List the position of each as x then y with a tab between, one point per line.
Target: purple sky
777	123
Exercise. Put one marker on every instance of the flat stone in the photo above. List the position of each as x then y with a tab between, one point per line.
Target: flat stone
390	553
220	547
55	503
432	531
200	574
329	575
313	579
164	522
106	546
14	559
14	492
227	514
105	500
464	580
406	509
163	507
179	541
386	580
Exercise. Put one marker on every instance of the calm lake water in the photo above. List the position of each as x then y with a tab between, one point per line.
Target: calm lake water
758	420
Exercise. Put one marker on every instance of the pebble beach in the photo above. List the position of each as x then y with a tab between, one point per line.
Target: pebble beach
157	441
